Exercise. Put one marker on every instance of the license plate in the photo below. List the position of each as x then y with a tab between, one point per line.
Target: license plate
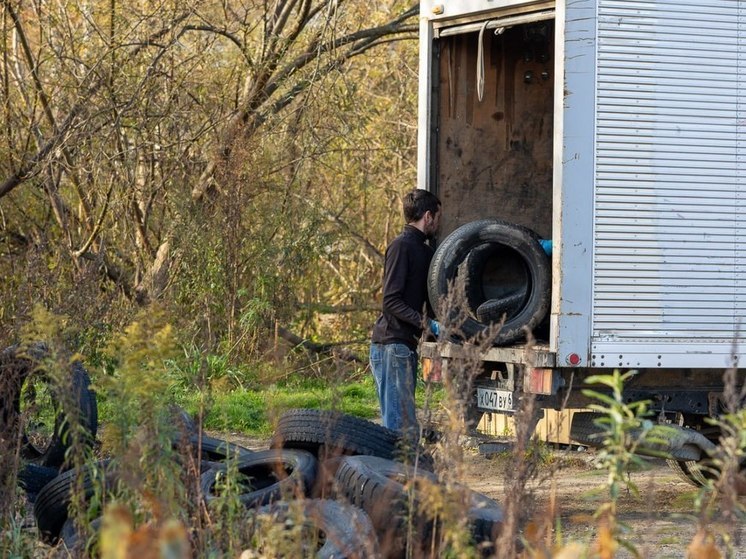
493	399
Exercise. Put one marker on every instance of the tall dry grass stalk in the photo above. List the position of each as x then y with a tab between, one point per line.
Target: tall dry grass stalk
456	420
722	511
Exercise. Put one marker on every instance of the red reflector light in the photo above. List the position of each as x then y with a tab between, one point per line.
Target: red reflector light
538	381
573	359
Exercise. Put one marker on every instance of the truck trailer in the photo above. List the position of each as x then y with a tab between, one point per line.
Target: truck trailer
616	129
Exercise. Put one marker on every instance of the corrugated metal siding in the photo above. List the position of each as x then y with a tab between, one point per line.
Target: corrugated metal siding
669	218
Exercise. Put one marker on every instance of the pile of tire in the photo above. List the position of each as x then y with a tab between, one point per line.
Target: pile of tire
22	373
23	378
351	481
381	482
506	275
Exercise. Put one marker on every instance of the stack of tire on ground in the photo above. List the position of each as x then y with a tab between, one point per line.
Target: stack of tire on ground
507	279
22	372
349	479
383	483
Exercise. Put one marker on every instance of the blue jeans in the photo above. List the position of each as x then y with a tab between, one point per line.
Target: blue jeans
394	367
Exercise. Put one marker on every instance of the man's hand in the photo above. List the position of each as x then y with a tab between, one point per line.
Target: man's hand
434	327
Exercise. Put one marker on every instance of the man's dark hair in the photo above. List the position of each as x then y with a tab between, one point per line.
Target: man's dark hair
418	201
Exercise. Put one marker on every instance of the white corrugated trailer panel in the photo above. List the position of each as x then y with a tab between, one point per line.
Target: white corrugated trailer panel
670	174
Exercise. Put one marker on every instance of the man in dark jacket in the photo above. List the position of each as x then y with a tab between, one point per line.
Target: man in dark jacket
393	349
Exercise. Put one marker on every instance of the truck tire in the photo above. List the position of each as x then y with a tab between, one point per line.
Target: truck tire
18	372
380	488
329	434
51	506
265	477
346	531
326	434
517	262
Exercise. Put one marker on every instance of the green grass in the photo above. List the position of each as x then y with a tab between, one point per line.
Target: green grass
246	398
251	411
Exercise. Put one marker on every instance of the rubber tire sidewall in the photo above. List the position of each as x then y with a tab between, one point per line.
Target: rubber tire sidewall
333	433
52	502
455	249
348	530
85	398
366	482
53	455
303	469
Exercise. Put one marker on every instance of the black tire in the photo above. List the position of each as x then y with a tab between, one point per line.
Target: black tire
479	293
50	451
685	473
51	506
211	449
266	476
346	531
32	477
75	541
379	487
517	262
494	310
182	421
326	434
583	430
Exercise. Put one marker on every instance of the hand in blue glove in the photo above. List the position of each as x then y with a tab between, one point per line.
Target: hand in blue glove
434	327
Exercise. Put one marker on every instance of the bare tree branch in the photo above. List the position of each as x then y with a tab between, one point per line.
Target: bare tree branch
249	117
224	33
308	345
59	136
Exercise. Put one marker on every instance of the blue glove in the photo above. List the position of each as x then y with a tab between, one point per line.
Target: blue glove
546	244
434	328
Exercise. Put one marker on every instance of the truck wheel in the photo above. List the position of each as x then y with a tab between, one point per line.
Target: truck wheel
508	259
381	488
326	434
264	477
37	400
342	531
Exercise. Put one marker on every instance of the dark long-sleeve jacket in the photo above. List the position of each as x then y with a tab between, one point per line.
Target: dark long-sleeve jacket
404	289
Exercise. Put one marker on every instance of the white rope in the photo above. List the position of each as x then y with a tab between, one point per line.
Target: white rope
480	63
480	58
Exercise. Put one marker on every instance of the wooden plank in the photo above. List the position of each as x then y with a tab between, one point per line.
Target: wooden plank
495	156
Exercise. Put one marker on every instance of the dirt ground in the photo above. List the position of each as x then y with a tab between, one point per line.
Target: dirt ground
661	520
